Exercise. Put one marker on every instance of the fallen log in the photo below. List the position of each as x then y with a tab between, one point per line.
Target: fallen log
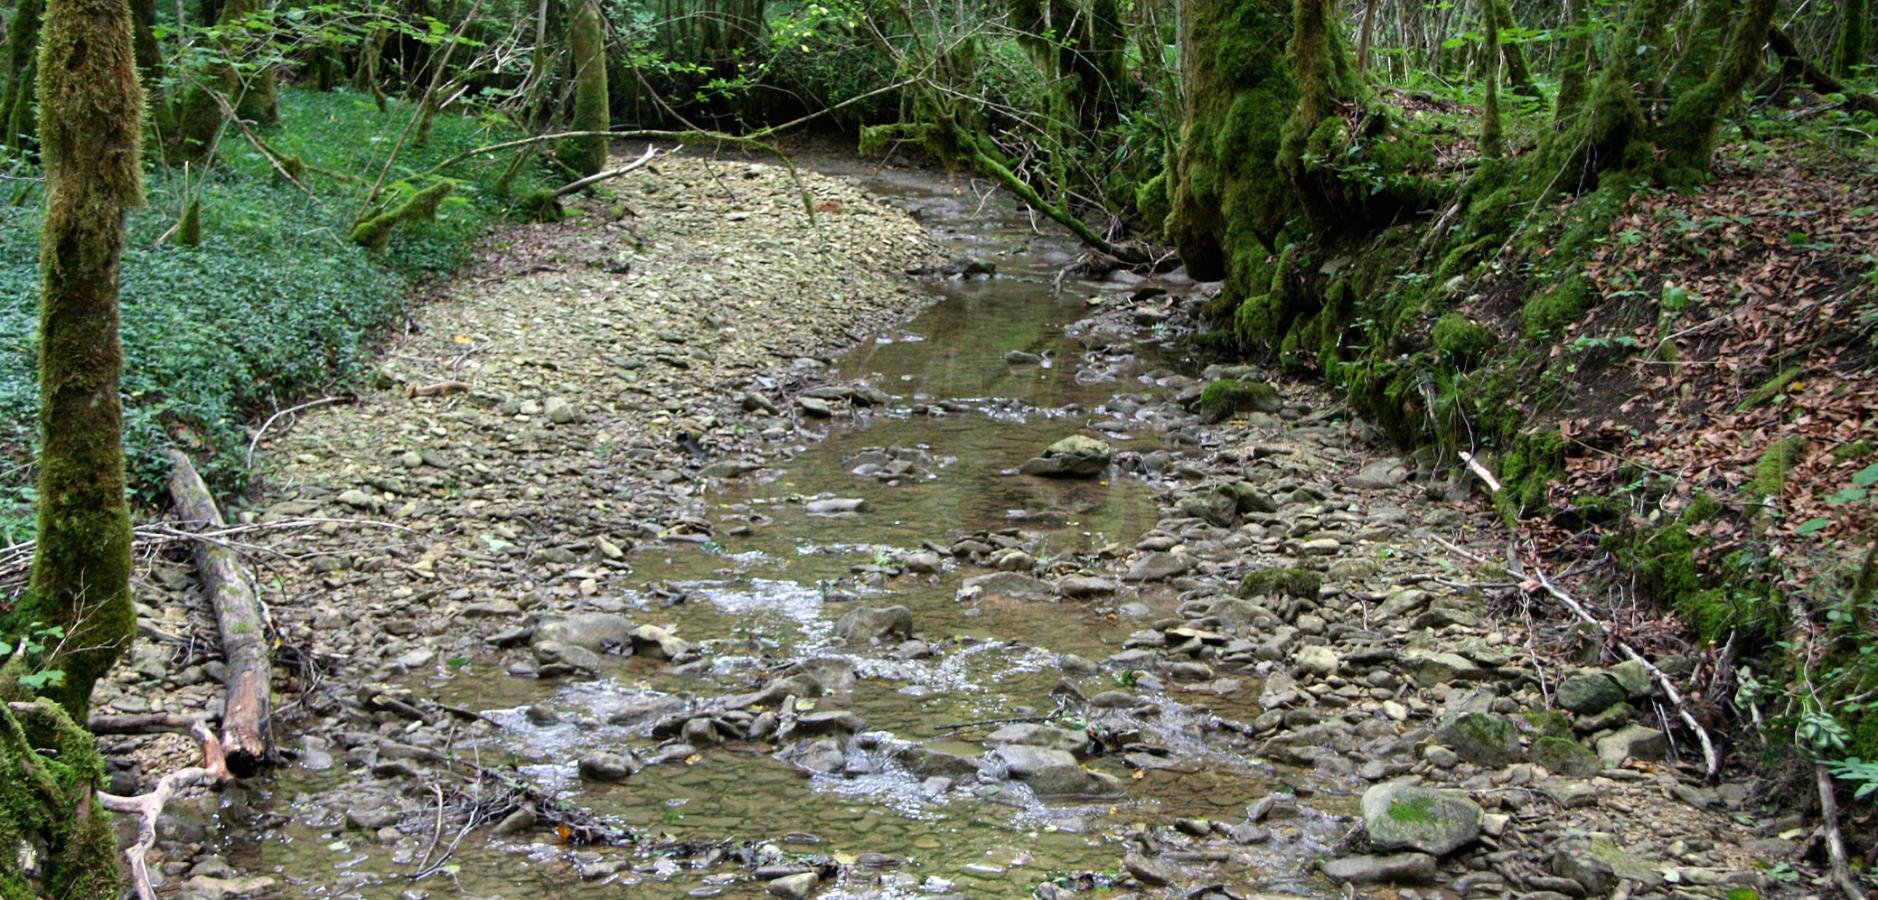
238	615
1794	65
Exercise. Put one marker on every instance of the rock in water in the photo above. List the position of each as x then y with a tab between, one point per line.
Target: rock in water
869	625
1397	816
795	886
1075	456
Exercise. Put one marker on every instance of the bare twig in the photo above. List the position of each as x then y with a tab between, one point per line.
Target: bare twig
258	432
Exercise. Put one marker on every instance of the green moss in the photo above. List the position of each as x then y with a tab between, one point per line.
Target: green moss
48	801
1222	398
1855	450
1770	471
1564	756
189	231
1413	810
1560	305
1282	582
1461	340
374	231
587	41
1854	37
1773	388
1526	473
1548	723
1152	202
18	102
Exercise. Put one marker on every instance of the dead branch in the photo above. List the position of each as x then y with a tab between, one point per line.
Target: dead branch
147	723
243	627
441	388
1710	758
147	807
596	178
256	441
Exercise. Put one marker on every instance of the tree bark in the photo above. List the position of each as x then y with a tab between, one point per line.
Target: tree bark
238	615
587	40
22	47
90	136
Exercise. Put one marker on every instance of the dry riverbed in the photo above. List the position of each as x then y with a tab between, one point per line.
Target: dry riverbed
619	580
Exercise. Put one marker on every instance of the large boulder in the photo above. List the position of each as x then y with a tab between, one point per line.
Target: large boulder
1075	456
1158	566
1632	741
1399	816
598	632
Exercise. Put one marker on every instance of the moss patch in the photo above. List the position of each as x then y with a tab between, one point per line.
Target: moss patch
1282	582
1225	397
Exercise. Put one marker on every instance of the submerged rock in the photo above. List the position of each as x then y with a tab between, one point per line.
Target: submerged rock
1075	456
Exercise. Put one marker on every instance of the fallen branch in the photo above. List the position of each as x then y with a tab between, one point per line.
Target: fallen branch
243	628
1486	477
1792	64
144	724
148	807
598	177
1835	840
1710	758
440	388
256	441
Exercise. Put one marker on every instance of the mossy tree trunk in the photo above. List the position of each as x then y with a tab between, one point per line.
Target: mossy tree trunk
199	117
1854	38
90	137
1512	62
1688	134
1575	65
48	803
587	41
16	105
1492	139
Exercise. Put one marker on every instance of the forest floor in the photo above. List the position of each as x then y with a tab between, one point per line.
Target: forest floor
618	575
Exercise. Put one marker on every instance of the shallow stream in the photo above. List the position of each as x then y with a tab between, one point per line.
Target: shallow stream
770	584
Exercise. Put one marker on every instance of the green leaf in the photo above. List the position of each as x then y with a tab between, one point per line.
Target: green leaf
39	681
6	649
1848	495
1867	476
1813	526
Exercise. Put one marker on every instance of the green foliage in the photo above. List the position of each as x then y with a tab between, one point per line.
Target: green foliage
275	304
1770	471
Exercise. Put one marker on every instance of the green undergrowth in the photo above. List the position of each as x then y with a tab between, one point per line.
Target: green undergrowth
275	304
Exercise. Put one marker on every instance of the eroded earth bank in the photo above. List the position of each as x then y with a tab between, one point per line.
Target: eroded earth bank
693	548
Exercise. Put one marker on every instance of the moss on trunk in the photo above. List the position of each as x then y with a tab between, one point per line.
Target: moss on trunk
587	40
1854	38
48	809
1518	74
91	140
1492	139
1575	66
1229	201
16	105
1688	133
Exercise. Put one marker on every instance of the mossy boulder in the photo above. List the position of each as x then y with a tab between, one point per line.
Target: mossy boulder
1480	738
1226	397
1075	456
1564	756
1282	582
1590	692
1399	816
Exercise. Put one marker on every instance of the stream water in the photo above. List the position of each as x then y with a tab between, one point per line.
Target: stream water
769	587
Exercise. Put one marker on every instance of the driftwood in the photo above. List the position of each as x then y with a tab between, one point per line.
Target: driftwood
147	807
238	613
144	723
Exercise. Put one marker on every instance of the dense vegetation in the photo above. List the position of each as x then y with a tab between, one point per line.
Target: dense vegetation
1620	251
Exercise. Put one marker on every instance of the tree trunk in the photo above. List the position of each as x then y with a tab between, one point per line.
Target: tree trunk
22	48
587	40
1576	66
1687	135
1854	38
90	137
1492	140
1518	76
